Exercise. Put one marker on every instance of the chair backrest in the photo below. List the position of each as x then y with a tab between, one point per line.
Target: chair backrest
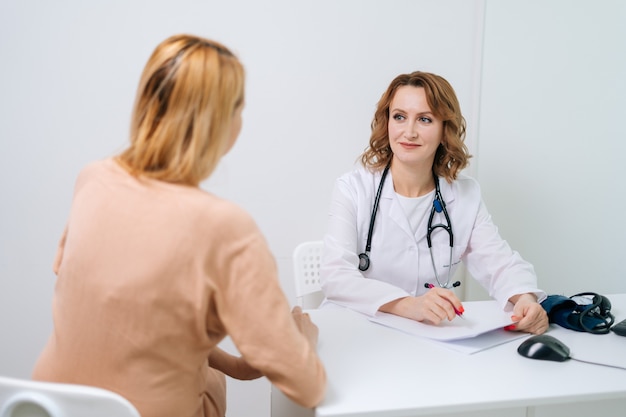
26	398
306	262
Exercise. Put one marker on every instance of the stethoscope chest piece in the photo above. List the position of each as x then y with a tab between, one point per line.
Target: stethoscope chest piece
364	262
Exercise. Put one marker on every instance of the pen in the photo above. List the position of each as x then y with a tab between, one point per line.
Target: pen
457	312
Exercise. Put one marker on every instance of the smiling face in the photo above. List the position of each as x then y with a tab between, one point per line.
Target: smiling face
414	131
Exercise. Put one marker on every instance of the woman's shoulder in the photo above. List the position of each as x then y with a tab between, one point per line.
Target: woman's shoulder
191	202
97	169
225	223
102	168
359	177
218	211
465	186
465	181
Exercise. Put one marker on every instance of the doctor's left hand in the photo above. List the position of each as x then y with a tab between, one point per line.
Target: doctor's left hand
528	314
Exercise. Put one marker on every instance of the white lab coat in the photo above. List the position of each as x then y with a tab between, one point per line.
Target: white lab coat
400	263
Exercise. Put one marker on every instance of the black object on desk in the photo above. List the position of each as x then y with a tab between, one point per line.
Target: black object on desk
584	312
620	328
544	347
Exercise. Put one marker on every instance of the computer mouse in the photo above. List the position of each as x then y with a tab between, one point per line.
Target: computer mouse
544	347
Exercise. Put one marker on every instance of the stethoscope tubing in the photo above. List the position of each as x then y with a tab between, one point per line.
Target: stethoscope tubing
364	258
439	206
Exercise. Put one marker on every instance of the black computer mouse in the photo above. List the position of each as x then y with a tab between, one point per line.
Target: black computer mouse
544	347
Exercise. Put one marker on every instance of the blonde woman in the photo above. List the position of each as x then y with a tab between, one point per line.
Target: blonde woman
153	272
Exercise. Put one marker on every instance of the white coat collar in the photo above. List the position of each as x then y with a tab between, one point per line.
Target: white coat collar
396	213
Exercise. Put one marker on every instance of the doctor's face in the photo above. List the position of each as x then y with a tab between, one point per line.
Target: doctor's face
414	131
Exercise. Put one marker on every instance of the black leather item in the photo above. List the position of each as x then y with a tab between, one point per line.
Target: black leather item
592	316
620	328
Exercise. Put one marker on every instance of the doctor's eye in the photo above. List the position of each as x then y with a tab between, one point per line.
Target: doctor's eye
425	119
398	117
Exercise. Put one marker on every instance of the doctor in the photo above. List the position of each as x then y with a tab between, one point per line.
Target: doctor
411	171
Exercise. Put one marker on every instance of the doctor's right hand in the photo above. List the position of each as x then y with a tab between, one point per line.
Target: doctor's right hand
436	305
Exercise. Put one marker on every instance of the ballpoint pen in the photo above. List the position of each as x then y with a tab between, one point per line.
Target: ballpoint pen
457	312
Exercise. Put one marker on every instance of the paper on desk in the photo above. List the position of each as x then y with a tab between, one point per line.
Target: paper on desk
481	342
480	317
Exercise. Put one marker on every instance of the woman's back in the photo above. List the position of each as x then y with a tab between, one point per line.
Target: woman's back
149	275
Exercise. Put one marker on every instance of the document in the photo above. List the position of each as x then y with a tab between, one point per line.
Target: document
479	329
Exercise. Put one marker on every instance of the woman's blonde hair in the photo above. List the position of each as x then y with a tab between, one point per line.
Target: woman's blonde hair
189	91
452	154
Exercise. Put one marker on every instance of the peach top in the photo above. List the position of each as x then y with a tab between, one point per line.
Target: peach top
151	277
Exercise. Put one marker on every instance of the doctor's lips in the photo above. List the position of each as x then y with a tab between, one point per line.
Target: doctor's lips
409	145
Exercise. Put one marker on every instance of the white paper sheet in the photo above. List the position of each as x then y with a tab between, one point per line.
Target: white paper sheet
479	317
481	342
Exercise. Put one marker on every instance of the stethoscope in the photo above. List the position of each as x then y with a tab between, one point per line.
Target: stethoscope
439	206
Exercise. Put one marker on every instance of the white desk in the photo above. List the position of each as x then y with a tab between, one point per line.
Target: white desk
377	371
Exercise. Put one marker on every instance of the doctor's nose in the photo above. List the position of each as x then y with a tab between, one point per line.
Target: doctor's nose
411	132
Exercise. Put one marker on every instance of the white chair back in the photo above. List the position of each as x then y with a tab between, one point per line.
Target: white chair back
26	398
306	261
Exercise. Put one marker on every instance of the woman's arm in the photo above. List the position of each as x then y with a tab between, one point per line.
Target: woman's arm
237	367
233	366
253	310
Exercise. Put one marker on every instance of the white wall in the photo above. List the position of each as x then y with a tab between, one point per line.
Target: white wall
552	141
546	141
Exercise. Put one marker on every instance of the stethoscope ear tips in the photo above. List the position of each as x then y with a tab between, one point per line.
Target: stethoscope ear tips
364	262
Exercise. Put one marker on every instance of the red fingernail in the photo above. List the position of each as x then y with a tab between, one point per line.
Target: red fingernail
461	310
510	327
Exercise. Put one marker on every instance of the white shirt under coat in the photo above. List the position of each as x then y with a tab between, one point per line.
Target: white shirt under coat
400	262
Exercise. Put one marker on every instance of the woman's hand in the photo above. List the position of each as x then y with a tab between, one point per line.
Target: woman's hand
233	366
436	305
528	314
306	326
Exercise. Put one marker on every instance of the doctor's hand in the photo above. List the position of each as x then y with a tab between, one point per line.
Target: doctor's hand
436	305
528	314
